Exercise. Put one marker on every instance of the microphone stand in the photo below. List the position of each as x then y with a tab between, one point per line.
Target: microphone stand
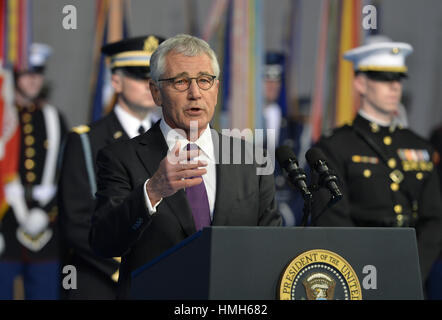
307	209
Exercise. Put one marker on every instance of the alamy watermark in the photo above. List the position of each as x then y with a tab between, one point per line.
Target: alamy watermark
236	147
69	21
369	21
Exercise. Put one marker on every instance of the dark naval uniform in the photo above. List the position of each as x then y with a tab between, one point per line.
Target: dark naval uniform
388	180
96	277
20	248
434	285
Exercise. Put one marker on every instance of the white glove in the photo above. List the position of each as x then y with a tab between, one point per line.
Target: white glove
36	222
43	193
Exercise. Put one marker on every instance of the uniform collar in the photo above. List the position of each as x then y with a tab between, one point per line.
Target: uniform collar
376	125
130	123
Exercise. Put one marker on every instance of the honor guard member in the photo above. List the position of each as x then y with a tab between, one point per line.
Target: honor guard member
133	114
287	132
29	227
434	285
386	171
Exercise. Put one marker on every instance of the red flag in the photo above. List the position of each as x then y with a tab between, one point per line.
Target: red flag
9	137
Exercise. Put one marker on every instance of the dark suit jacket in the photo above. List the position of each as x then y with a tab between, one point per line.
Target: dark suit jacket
122	226
76	205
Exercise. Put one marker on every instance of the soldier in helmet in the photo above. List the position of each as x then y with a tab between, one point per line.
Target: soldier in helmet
134	113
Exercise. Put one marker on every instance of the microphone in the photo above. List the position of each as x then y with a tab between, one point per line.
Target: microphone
287	160
316	159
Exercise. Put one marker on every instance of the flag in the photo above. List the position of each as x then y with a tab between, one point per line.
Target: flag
15	39
347	101
111	26
9	136
238	29
334	101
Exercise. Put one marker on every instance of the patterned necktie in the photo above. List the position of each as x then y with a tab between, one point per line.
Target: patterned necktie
199	203
141	130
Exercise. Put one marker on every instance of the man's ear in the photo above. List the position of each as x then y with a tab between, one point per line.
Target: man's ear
117	82
156	93
360	83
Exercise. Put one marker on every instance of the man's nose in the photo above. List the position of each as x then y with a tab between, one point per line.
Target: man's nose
396	85
194	91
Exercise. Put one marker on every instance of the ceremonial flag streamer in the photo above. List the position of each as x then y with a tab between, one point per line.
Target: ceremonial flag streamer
111	25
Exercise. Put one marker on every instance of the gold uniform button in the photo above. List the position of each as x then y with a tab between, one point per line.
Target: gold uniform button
26	117
28	128
397	208
394	186
419	176
374	127
118	134
387	140
400	219
29	140
392	163
29	152
367	173
30	176
29	164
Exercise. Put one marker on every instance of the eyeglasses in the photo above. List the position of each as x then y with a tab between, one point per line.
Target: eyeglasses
182	83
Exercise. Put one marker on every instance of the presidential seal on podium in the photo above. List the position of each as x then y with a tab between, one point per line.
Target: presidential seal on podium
319	275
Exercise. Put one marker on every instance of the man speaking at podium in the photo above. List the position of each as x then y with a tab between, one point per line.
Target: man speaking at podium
386	171
150	197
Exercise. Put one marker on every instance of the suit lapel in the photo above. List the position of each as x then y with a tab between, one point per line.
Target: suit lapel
152	148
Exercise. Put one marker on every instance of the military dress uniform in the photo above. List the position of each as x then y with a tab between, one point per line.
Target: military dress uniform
97	277
388	180
386	172
35	255
434	285
29	226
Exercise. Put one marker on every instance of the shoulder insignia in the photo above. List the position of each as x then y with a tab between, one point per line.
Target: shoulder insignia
81	129
118	134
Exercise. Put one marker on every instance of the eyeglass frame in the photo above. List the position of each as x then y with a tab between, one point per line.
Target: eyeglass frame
213	77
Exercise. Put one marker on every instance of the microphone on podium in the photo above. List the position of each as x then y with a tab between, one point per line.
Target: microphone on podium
287	160
317	161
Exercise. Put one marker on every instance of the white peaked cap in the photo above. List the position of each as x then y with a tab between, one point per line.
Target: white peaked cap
39	54
380	54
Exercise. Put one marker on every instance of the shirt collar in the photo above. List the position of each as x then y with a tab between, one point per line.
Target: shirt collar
373	119
131	124
204	142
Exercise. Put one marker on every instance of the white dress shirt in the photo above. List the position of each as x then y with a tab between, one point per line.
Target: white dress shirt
131	124
205	144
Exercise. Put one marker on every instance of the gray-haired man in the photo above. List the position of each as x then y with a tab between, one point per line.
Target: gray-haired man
143	208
